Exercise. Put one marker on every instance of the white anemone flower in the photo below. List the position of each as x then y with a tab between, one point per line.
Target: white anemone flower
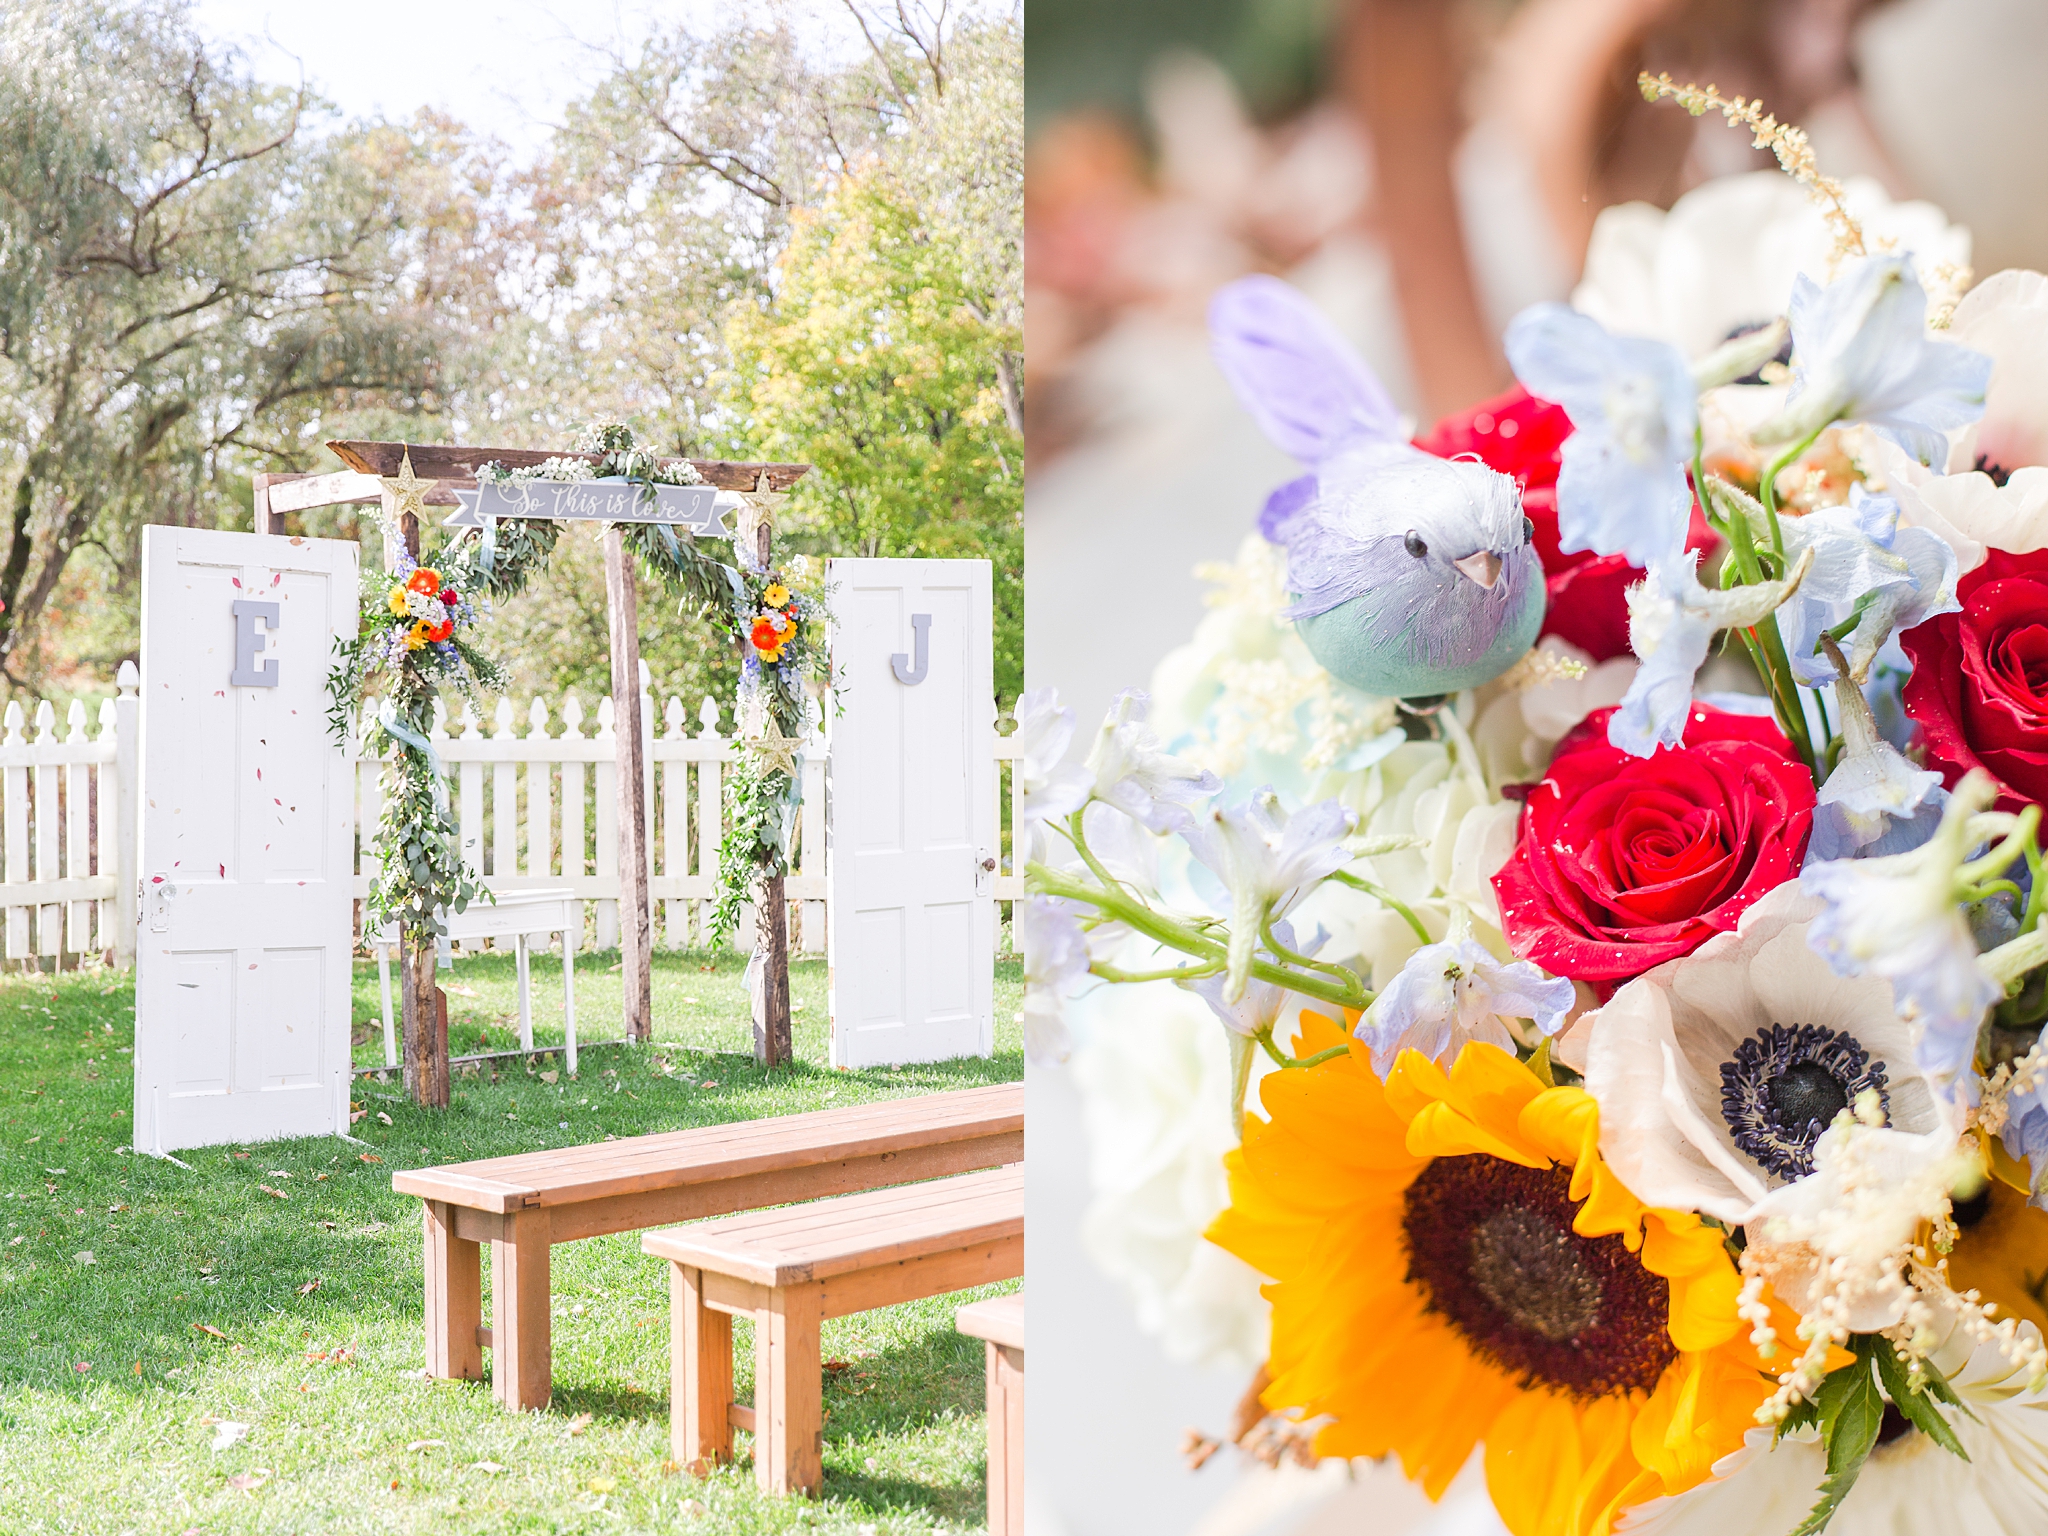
1909	1487
1725	256
1130	771
1717	1073
1995	494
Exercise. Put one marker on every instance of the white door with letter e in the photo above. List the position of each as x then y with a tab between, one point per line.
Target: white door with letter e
913	819
243	943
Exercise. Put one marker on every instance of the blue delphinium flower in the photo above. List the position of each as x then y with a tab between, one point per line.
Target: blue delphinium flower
2026	1119
1263	1001
1671	624
1267	860
1861	556
1860	352
1875	803
1621	487
1132	773
1898	917
1457	991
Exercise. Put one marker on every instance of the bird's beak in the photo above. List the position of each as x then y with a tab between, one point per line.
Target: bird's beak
1482	566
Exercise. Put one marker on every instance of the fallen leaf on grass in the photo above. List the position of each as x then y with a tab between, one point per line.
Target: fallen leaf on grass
208	1328
227	1433
581	1422
83	1257
278	1173
280	1194
82	1367
357	1114
384	1117
693	1509
327	1226
248	1482
115	1210
309	1287
549	1077
341	1354
488	1466
603	1484
456	989
368	1157
427	1445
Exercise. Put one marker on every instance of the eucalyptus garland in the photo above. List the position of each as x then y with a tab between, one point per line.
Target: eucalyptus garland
414	632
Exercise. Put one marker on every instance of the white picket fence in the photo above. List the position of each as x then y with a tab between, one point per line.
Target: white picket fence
537	807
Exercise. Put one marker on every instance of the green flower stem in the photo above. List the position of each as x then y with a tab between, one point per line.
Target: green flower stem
1176	933
1298	1063
2009	848
1767	492
2014	958
2031	918
1170	973
1342	973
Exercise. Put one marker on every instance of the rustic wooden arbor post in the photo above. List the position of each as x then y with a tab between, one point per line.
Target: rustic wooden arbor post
444	469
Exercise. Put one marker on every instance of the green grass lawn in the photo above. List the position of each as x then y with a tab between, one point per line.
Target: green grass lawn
143	1307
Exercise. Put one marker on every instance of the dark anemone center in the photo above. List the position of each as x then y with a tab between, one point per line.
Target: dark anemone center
1807	1093
1998	472
1784	1086
1491	1245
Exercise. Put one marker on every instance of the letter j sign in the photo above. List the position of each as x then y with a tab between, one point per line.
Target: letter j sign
249	644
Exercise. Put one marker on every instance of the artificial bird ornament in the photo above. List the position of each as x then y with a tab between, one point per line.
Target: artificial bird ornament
1412	576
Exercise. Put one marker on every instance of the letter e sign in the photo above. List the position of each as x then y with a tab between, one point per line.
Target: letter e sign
249	644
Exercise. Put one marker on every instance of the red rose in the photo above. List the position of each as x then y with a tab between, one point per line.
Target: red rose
1522	436
1979	687
1623	862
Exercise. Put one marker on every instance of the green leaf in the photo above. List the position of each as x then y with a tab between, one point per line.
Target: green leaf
1918	1404
1851	1412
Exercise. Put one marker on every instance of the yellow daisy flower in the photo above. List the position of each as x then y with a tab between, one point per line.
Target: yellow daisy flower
1453	1263
775	595
397	604
2001	1252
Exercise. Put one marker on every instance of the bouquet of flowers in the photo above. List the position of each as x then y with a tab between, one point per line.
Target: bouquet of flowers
1625	915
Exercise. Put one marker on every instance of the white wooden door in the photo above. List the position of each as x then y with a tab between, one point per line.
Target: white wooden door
243	936
911	838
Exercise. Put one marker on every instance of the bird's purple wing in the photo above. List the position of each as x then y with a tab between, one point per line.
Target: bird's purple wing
1306	387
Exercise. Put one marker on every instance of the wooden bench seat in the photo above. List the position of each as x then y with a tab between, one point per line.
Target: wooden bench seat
999	1322
521	1205
790	1269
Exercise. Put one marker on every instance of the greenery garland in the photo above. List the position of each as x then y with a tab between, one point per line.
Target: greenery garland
414	630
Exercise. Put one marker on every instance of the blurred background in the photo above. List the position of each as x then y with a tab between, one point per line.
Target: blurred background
1422	169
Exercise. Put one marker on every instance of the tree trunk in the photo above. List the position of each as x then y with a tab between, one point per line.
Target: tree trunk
770	990
425	1056
636	926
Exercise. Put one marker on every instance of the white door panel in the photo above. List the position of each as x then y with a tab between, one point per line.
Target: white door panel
244	941
912	936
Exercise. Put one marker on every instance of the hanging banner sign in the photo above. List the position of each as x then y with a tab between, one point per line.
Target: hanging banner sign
611	500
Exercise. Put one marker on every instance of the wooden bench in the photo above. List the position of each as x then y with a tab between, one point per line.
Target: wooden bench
522	1205
999	1322
790	1269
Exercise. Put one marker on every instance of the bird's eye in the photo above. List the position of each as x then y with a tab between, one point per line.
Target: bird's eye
1528	530
1414	545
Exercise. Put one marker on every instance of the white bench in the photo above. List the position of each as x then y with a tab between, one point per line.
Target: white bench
515	915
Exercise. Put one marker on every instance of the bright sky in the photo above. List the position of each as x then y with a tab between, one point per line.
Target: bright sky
502	67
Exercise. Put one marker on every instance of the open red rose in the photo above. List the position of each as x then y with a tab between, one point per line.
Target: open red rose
1622	863
1979	687
1522	436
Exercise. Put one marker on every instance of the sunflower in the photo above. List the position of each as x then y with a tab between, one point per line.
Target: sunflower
1452	1262
2001	1252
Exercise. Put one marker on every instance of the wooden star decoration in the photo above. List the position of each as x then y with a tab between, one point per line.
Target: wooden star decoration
773	751
408	492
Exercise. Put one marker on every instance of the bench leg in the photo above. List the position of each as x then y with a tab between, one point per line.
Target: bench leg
1005	1441
700	1372
455	1298
788	1394
520	1376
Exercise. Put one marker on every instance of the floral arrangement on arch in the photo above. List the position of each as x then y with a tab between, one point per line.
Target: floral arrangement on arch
1624	912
